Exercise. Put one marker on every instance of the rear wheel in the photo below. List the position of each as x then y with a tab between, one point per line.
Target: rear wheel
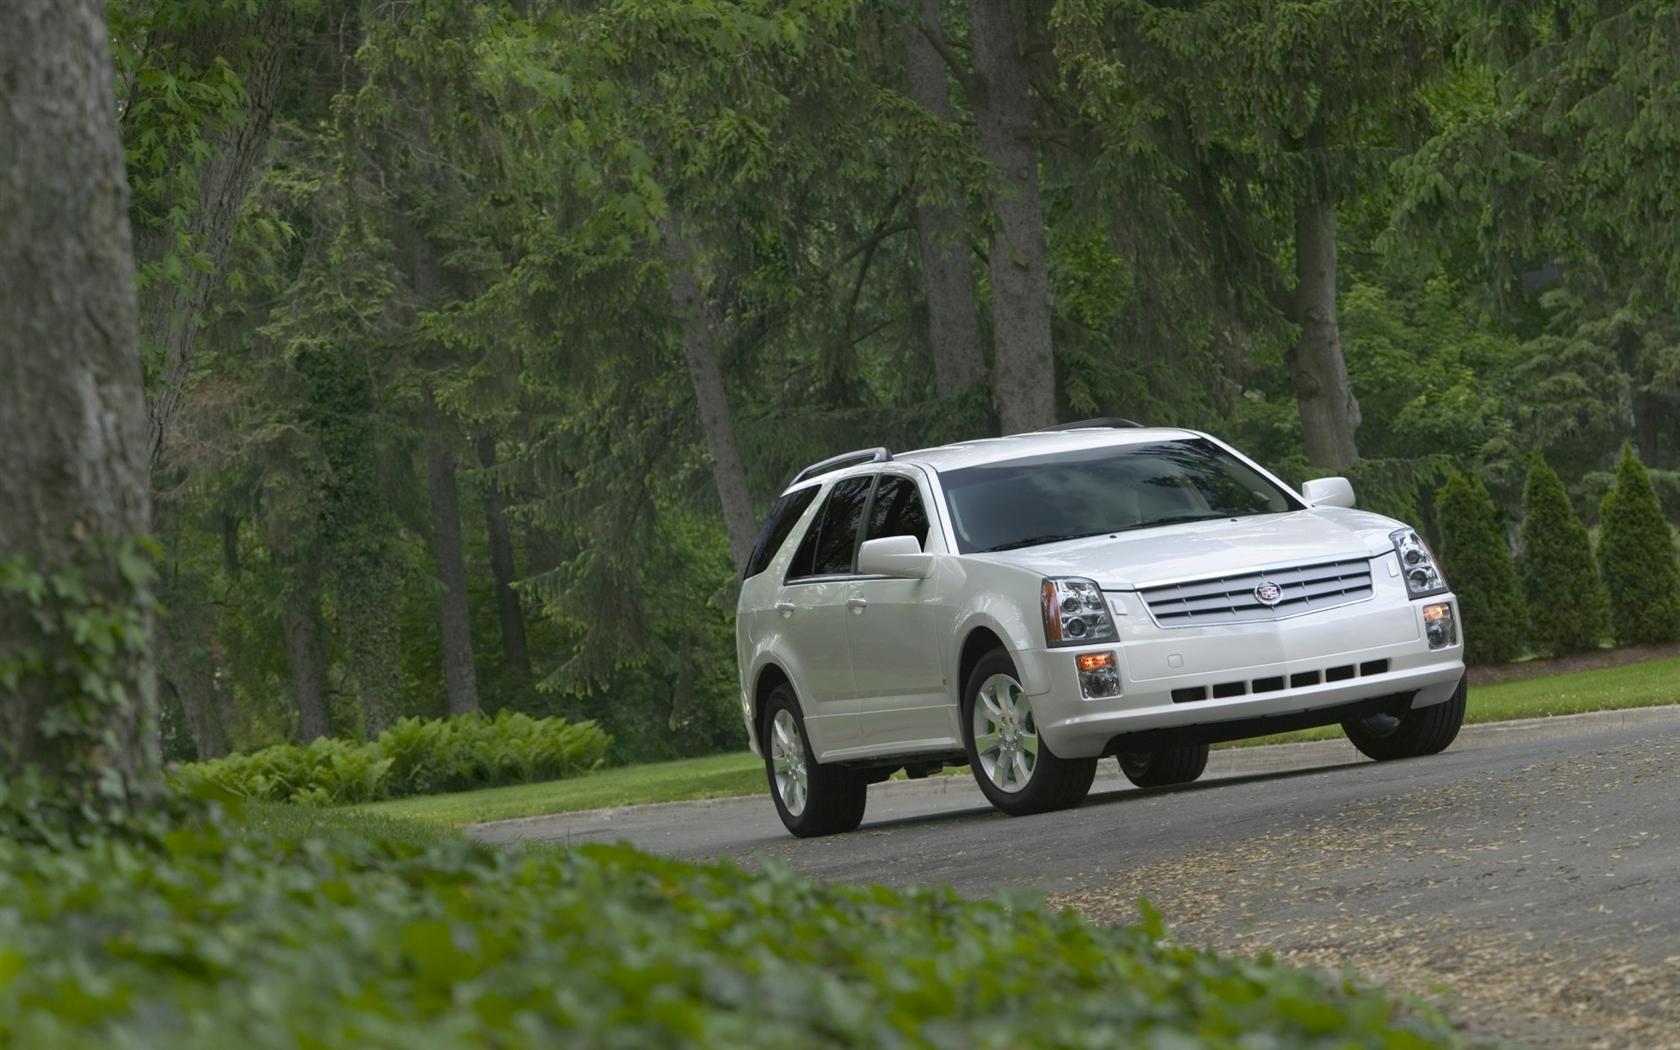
1174	765
1425	731
812	799
1014	767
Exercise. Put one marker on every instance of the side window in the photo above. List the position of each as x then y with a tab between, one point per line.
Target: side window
897	510
832	539
783	517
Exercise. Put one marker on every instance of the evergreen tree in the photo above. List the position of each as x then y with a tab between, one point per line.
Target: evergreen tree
1636	551
1477	562
1566	602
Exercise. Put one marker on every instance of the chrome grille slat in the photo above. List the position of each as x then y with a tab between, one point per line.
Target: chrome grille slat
1230	599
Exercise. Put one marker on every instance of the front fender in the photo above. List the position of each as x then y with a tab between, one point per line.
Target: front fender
1004	600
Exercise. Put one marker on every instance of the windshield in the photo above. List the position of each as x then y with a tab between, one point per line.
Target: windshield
1044	499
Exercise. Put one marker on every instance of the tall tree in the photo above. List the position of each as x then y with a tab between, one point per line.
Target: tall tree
454	615
510	612
1000	93
1286	111
702	333
953	315
232	63
77	705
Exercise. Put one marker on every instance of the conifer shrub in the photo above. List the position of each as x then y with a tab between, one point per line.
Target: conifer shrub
1477	561
1567	607
1637	556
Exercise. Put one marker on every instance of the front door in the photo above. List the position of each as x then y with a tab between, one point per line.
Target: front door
892	627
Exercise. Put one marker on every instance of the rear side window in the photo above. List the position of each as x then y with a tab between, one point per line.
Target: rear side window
784	515
832	539
897	510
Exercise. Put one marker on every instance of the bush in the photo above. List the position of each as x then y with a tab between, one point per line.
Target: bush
1477	563
1636	552
363	937
413	757
1567	608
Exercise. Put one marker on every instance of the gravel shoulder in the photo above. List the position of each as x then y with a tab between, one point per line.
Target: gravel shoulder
1528	879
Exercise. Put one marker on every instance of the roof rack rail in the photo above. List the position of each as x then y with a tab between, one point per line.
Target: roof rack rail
1100	421
872	455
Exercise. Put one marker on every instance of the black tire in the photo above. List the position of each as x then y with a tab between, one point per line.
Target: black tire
835	797
1426	731
1055	783
1174	765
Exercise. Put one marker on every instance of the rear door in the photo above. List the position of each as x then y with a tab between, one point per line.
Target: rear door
810	608
892	627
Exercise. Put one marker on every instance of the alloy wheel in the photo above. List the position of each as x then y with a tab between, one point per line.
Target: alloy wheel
1005	735
787	758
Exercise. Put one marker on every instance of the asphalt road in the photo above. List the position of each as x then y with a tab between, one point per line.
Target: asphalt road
1528	879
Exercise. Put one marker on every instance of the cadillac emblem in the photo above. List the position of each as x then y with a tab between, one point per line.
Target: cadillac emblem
1268	593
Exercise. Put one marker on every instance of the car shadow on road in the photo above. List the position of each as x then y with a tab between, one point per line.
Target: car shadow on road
1117	796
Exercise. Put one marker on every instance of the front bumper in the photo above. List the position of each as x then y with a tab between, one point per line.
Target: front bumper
1243	673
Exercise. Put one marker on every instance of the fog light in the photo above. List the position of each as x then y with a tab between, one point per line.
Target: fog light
1099	675
1440	626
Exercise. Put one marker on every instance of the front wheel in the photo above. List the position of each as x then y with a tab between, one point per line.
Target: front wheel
1016	770
811	799
1426	731
1173	765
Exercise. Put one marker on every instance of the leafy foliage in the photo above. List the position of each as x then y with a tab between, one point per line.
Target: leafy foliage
413	757
1566	600
1477	560
1637	551
297	931
74	636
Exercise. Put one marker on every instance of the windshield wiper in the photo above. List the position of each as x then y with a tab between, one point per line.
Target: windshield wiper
1030	541
1176	519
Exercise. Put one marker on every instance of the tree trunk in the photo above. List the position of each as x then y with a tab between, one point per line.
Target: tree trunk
947	272
305	634
1023	362
454	615
173	309
700	328
1317	369
73	492
186	664
510	614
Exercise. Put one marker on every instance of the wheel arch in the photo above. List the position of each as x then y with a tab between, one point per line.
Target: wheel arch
769	677
980	640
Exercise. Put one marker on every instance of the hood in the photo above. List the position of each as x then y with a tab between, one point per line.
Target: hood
1148	557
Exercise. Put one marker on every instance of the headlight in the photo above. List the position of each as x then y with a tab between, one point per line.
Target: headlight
1074	613
1417	565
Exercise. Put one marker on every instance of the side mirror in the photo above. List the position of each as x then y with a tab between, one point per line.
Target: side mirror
897	556
1328	492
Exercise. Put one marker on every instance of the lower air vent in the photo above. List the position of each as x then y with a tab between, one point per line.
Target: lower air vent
1190	694
1301	679
1373	667
1266	685
1339	674
1226	689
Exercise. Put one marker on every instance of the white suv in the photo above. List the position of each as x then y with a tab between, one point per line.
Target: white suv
1028	605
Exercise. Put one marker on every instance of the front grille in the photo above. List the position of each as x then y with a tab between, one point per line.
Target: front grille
1190	694
1232	599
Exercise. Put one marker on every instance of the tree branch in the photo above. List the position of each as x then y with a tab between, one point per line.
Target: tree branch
953	61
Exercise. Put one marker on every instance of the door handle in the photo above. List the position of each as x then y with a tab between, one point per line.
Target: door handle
857	605
785	608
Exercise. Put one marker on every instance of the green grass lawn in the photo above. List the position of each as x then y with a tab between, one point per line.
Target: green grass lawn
719	776
715	776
